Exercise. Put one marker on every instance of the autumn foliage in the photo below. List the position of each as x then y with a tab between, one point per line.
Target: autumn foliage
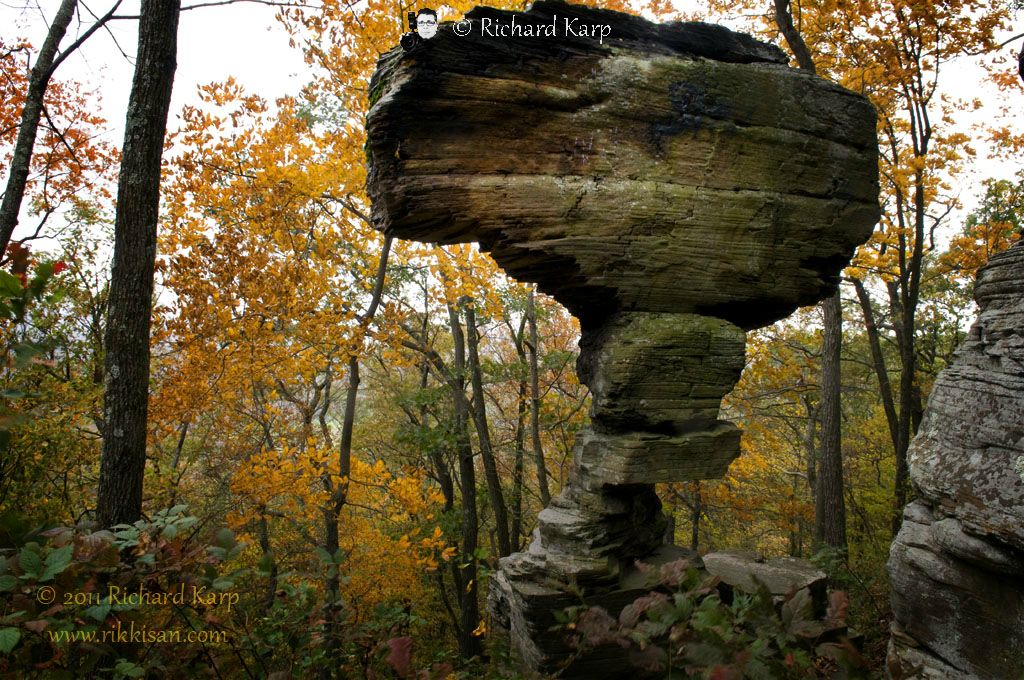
349	432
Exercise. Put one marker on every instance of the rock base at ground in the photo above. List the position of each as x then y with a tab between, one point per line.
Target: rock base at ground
957	564
673	186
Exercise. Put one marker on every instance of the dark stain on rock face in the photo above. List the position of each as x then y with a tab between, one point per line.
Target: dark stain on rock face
570	163
692	106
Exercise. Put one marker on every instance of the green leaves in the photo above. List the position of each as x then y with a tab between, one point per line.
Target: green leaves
8	638
37	568
100	611
56	562
30	561
10	285
225	546
127	669
693	629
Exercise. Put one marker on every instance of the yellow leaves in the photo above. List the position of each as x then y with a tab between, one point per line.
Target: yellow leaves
971	250
381	523
428	552
917	164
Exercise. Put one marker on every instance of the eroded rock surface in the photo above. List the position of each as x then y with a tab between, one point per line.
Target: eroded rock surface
747	571
957	565
673	186
675	168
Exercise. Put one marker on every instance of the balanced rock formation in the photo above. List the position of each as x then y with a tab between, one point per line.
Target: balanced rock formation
957	564
673	186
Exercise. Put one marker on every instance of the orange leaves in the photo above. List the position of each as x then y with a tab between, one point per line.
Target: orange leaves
971	250
428	552
264	262
993	227
71	167
385	532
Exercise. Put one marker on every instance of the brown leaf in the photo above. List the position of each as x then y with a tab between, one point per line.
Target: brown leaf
37	626
838	603
400	656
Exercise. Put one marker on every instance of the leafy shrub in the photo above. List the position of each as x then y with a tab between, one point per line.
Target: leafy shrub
685	630
70	600
78	602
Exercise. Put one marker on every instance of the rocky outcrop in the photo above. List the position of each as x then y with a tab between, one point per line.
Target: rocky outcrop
679	168
673	186
746	571
957	565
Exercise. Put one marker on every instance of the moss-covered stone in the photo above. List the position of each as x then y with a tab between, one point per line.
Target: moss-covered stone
672	186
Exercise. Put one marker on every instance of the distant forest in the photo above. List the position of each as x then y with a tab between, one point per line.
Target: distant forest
233	412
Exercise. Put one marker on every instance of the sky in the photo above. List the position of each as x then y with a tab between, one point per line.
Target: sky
244	40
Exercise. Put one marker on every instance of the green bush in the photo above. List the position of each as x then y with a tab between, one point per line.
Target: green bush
684	629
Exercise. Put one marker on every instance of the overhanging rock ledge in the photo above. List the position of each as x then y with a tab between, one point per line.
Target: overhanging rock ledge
673	187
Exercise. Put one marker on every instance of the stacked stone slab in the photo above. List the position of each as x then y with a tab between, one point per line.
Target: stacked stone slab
673	187
957	564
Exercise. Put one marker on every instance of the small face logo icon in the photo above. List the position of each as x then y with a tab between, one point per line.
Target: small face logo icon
426	23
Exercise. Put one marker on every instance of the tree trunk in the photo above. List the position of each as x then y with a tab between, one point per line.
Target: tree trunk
47	62
263	529
469	611
517	473
441	468
352	389
483	433
827	483
829	506
810	443
878	361
21	159
695	514
339	494
520	436
123	461
538	451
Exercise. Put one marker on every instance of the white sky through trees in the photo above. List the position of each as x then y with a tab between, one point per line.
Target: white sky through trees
245	40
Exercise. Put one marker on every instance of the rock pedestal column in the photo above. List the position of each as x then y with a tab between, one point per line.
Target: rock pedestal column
657	381
673	186
957	564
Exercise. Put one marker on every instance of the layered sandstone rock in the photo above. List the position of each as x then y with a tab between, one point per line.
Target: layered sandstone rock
957	565
673	186
676	168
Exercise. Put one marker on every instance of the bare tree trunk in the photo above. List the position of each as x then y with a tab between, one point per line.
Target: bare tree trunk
829	504
123	459
538	451
483	433
21	159
908	369
176	462
520	436
469	610
900	422
784	20
695	514
437	459
517	471
829	509
339	493
263	529
810	444
878	361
